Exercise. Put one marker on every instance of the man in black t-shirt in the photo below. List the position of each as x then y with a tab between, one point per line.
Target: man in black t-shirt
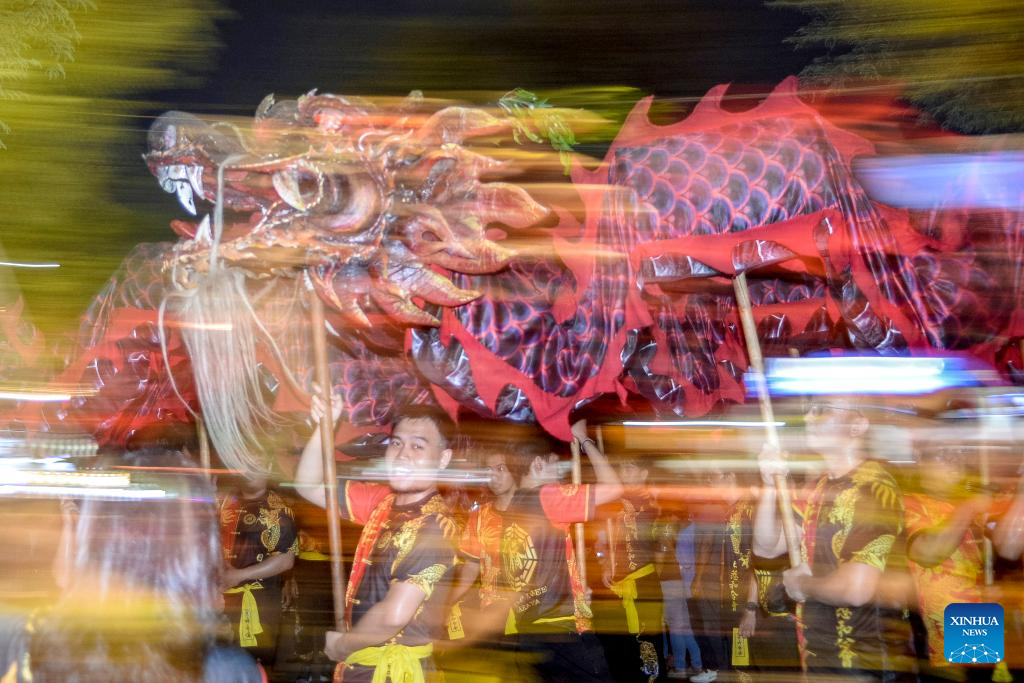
260	543
632	625
522	542
397	592
850	520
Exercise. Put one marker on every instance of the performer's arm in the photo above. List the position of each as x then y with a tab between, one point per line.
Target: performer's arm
309	475
466	575
769	540
877	521
851	584
1008	535
932	546
748	622
272	566
608	486
381	623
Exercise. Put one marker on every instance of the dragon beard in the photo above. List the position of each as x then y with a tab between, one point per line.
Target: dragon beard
220	330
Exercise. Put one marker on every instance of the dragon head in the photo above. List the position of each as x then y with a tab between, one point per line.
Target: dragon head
374	203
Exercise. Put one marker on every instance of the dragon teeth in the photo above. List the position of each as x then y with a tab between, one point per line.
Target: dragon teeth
203	233
184	192
195	177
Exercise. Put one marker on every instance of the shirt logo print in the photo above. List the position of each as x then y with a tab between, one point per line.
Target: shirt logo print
518	557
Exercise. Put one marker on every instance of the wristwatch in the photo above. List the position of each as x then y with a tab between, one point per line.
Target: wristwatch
751	607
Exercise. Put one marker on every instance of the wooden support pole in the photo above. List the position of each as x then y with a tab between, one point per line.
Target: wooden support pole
986	547
789	528
323	379
985	473
581	546
204	448
609	524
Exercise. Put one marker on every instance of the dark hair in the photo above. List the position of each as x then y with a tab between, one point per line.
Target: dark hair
166	549
436	416
521	453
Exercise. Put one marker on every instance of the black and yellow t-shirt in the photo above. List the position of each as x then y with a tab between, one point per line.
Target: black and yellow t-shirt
415	543
531	552
853	518
257	529
633	534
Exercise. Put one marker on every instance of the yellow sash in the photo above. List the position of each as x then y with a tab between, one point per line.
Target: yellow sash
313	555
249	625
400	663
510	623
626	589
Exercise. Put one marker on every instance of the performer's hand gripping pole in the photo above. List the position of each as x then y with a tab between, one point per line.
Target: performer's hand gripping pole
789	528
323	379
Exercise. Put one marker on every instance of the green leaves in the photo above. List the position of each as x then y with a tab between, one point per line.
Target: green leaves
536	120
959	60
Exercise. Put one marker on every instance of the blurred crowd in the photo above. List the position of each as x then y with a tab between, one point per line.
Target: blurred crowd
471	555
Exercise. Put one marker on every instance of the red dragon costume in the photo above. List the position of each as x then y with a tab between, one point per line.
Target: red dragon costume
448	282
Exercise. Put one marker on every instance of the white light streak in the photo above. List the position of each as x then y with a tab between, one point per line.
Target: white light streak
16	264
78	492
703	423
41	397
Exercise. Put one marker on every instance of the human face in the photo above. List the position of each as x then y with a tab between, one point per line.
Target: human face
501	480
254	486
631	475
942	470
725	488
545	470
415	455
829	426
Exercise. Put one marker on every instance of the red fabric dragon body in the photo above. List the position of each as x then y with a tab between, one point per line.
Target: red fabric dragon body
390	216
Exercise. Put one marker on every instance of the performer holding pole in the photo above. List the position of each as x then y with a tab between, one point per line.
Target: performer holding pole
330	474
525	533
743	305
396	597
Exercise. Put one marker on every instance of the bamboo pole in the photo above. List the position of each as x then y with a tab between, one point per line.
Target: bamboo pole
986	547
581	546
323	379
204	448
608	523
789	528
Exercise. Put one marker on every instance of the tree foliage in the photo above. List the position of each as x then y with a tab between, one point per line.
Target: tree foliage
73	181
962	61
36	36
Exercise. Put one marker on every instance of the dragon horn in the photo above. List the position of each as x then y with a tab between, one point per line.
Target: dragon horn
488	257
348	308
423	282
402	310
504	203
455	124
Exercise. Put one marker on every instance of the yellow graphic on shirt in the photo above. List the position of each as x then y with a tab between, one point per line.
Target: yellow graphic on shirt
405	539
518	557
271	534
426	580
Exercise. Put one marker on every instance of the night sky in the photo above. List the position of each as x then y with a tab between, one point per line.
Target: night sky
476	49
671	49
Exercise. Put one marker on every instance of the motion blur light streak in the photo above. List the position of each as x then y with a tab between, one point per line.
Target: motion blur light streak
60	491
702	423
924	181
28	396
12	264
865	375
95	480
